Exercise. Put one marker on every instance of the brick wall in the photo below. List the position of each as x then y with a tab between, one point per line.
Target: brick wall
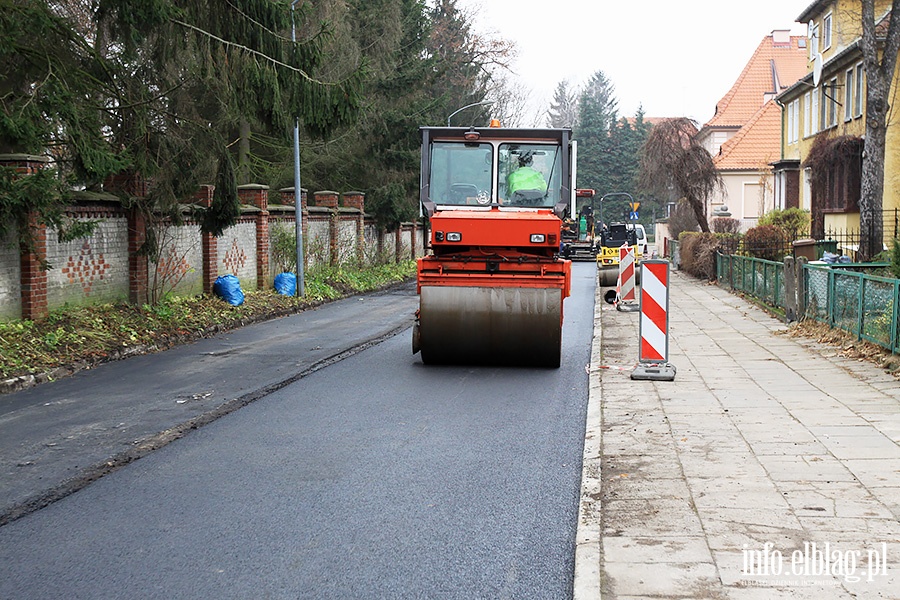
89	270
10	271
180	267
236	253
105	266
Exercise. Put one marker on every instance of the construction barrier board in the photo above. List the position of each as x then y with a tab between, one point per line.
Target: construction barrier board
653	353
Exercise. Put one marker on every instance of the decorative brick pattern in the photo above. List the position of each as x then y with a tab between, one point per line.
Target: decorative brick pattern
85	268
236	254
235	258
92	269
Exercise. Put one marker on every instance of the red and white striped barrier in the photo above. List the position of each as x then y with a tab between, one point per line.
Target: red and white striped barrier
625	285
653	356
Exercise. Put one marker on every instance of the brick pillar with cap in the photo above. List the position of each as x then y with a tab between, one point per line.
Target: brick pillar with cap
209	244
329	199
32	274
357	200
257	195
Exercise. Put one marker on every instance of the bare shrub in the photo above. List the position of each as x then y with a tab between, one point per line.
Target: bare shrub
698	254
681	219
726	225
766	241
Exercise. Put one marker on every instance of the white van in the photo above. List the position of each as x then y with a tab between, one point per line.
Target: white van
641	236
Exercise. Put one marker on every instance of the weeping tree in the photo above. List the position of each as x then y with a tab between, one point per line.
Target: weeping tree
671	159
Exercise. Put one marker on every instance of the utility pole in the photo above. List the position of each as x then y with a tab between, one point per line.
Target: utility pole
298	206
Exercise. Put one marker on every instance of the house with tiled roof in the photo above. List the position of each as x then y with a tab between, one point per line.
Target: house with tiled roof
827	106
744	134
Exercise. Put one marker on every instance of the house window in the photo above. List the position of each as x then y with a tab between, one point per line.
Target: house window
826	32
849	98
813	35
793	126
841	188
807	122
815	118
858	91
830	99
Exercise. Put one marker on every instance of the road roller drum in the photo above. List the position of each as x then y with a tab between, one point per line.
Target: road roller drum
481	325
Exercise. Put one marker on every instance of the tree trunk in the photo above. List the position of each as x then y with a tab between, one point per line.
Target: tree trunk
871	194
879	77
699	208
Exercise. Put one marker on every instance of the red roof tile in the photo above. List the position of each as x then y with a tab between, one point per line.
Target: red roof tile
772	69
757	144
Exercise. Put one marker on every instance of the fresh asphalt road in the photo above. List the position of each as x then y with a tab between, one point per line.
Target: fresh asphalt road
375	477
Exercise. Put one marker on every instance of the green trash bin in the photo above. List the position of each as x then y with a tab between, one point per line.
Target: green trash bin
823	246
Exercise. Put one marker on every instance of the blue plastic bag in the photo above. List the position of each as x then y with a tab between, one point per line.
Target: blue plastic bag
228	288
286	284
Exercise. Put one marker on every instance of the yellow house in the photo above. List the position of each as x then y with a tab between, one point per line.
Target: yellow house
823	115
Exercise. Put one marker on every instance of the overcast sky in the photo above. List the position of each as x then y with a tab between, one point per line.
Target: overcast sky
674	57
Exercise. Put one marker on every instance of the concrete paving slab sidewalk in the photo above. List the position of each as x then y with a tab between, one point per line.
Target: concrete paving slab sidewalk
770	467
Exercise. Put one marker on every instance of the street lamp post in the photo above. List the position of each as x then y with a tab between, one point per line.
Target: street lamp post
482	103
298	206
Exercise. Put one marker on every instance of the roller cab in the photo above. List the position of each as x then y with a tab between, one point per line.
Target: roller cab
493	284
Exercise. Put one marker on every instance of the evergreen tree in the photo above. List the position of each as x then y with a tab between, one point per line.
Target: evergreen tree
597	115
157	87
563	110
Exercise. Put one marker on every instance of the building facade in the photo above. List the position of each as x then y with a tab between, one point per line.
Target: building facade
823	120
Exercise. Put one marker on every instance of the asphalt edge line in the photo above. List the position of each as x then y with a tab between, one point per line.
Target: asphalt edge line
588	532
159	440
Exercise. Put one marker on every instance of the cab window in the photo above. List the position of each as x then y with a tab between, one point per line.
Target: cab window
461	173
529	174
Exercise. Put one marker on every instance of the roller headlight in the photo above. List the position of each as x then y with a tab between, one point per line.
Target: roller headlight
454	236
538	238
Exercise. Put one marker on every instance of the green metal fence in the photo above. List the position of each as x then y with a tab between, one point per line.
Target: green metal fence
864	305
761	279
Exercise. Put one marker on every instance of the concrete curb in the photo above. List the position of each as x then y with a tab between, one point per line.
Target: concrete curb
589	530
